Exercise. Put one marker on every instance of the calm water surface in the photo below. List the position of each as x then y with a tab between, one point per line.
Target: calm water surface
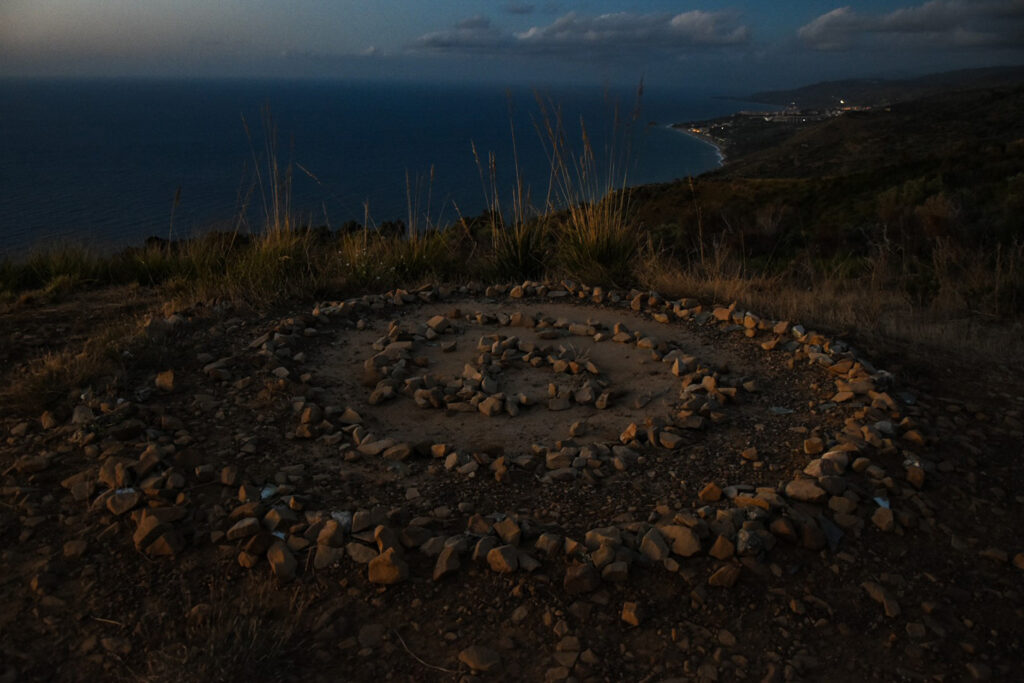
102	161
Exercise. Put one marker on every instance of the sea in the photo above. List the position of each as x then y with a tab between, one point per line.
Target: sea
110	163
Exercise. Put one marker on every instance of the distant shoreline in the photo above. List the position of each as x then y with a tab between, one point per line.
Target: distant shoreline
707	139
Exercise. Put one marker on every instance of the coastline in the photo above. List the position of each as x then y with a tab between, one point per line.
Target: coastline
707	139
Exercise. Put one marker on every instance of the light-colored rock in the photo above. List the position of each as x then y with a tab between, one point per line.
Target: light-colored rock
711	493
725	577
447	563
388	568
244	528
722	549
508	531
805	490
504	559
632	613
685	542
653	546
165	381
282	562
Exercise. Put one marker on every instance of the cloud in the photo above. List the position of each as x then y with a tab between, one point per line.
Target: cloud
613	34
469	34
519	7
937	23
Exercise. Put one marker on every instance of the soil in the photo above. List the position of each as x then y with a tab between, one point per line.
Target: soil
270	479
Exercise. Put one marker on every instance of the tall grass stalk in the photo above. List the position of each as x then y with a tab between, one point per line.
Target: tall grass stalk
518	236
591	197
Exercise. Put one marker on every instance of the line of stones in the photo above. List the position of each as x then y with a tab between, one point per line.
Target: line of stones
155	535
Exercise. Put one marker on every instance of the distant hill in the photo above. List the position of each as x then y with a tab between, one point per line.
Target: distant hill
943	169
877	91
963	126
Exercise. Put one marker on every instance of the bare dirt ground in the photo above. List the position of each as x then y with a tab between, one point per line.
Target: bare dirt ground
538	483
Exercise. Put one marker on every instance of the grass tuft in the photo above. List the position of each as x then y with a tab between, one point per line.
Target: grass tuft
590	199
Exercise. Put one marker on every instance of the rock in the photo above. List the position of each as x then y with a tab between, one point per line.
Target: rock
331	534
360	553
670	440
685	542
753	541
632	613
915	476
480	658
508	531
813	446
384	392
243	528
616	572
1018	561
165	381
504	559
438	323
123	500
388	568
247	559
311	415
723	548
880	595
229	476
805	490
400	451
783	528
282	562
82	415
491	406
609	535
711	493
883	519
327	556
548	543
48	420
653	546
725	577
581	578
168	543
147	531
483	547
447	563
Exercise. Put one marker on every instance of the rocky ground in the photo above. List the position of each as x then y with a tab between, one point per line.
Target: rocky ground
530	482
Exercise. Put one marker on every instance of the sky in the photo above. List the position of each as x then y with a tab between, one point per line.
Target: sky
728	45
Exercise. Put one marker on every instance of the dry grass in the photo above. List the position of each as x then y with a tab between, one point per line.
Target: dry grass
971	308
519	237
254	637
954	298
590	201
47	380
